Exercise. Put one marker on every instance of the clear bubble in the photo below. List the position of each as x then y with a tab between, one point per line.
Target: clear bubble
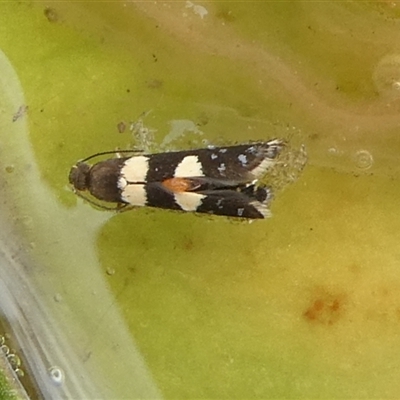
58	297
5	349
20	373
56	375
363	159
386	76
14	361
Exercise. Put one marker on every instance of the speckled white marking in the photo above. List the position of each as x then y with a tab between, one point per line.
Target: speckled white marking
213	156
262	208
262	167
135	195
135	169
223	150
222	169
240	212
275	143
274	147
242	158
190	166
189	201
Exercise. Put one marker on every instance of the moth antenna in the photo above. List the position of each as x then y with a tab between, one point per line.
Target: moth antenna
104	153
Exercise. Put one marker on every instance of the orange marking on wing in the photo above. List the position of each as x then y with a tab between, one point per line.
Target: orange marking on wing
179	184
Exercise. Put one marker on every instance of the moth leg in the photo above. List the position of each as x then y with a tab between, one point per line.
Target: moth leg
122	207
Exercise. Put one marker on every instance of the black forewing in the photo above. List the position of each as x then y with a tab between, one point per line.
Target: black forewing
234	163
232	203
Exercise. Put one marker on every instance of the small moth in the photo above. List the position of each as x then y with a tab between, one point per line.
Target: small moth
213	180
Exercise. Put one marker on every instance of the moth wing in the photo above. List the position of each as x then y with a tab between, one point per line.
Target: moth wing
213	196
251	202
248	202
241	163
161	196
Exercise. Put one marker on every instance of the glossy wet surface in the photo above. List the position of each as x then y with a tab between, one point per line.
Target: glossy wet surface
150	302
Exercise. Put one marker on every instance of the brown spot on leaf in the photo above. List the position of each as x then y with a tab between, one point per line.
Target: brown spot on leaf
121	126
154	84
226	16
202	119
355	268
325	308
51	14
188	244
22	110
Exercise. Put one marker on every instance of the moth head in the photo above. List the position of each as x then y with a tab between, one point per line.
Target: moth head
79	176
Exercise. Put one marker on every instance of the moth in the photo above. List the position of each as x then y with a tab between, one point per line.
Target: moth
215	180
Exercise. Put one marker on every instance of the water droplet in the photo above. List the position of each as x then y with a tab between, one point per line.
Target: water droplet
20	373
58	298
110	271
363	159
10	169
333	150
56	375
14	361
5	349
